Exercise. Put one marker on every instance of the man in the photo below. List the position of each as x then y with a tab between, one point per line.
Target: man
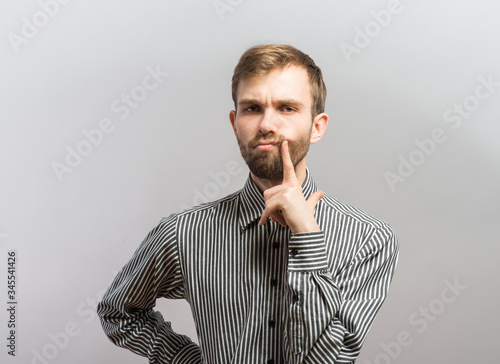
277	272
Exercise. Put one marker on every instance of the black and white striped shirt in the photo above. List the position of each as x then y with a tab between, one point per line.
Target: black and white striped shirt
258	293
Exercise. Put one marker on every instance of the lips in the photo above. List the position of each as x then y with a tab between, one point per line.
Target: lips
265	146
262	143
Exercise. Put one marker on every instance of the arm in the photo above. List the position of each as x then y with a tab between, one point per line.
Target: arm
126	310
329	317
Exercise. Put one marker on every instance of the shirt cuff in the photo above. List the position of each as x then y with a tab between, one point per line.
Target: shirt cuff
307	252
190	354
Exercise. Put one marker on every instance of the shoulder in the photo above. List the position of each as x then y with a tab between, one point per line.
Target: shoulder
352	213
227	203
342	217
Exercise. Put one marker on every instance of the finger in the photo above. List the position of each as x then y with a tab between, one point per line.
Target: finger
278	217
272	212
288	169
312	201
265	215
273	191
270	205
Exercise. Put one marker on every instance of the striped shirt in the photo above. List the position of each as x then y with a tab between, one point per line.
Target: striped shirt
258	293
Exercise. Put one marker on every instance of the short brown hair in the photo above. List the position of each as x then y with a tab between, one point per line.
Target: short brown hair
262	59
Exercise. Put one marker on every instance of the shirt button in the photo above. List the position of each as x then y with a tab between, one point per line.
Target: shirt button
272	323
270	361
274	282
294	252
295	298
276	245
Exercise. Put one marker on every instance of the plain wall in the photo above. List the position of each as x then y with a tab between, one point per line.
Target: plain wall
413	97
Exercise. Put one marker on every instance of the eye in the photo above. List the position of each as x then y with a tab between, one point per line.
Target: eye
252	108
287	109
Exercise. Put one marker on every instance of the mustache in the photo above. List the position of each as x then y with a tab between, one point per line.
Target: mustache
270	137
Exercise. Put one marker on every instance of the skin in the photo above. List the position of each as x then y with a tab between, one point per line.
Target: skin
279	103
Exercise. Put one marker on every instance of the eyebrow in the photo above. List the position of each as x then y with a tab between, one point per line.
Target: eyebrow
291	102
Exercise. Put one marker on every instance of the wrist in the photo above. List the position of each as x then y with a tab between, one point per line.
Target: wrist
307	252
305	227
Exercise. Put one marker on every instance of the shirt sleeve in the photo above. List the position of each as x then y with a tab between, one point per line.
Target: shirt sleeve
126	310
329	316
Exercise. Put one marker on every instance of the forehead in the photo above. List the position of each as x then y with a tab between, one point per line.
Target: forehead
291	82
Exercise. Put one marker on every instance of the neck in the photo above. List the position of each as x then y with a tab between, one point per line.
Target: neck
264	184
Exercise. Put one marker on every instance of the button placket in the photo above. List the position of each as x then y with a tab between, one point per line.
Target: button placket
277	248
272	280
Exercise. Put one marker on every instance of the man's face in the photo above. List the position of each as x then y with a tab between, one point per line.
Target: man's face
270	109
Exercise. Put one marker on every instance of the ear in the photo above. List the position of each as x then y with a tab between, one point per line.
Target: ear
232	119
319	125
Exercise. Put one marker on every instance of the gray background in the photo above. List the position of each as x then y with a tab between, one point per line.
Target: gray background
73	233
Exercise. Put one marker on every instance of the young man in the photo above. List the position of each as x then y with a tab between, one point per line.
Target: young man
277	272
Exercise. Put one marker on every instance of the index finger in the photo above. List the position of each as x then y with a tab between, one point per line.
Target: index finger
288	168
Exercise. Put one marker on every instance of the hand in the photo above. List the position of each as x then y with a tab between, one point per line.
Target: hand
286	204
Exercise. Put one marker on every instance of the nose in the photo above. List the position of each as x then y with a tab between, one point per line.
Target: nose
268	123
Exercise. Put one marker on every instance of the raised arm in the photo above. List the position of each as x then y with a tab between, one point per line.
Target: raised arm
329	316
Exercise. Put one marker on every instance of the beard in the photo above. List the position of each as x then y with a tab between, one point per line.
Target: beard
268	165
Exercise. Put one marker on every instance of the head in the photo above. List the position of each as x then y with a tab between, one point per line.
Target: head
279	94
262	59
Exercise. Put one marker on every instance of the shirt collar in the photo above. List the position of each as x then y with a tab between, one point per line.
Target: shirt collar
251	200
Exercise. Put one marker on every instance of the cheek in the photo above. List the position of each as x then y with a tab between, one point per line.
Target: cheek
245	128
296	133
241	132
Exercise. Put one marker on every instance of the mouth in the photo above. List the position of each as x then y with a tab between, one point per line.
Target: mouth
266	145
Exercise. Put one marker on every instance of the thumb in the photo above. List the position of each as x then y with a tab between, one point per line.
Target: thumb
312	201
